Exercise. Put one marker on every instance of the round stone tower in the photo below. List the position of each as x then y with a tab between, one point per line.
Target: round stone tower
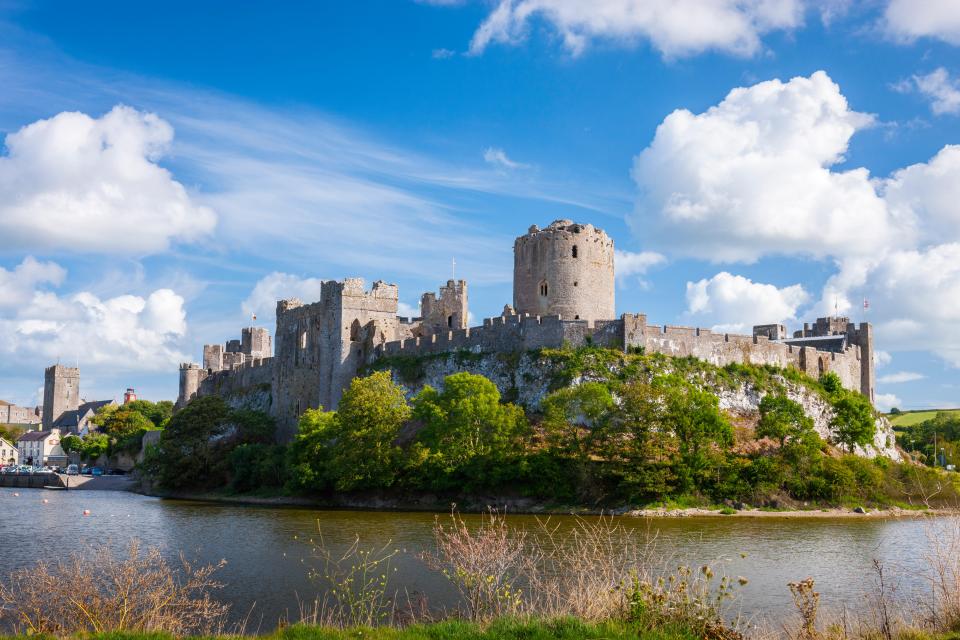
566	270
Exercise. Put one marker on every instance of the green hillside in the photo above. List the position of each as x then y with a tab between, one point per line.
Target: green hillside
910	418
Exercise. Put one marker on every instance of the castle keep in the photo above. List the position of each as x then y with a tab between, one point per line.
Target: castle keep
563	294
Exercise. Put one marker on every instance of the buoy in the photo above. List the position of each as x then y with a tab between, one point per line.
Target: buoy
86	512
45	501
16	495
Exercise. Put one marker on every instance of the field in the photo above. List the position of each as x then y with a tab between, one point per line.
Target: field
909	418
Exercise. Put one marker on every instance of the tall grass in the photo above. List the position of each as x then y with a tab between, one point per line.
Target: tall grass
99	591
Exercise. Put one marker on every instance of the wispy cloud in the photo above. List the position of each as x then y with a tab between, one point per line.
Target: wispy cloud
498	158
938	87
900	377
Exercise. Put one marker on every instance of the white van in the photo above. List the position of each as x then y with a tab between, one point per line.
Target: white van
73	470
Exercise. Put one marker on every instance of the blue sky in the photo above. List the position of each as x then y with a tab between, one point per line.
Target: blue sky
169	170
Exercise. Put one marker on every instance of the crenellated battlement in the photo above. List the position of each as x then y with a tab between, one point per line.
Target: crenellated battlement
563	295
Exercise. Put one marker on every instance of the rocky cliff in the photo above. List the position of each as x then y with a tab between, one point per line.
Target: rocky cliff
527	377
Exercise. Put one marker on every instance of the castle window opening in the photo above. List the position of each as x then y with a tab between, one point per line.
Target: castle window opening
543	289
574	283
820	366
355	331
303	339
574	251
449	322
576	317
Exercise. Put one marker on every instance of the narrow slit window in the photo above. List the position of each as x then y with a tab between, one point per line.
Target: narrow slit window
543	289
449	322
574	251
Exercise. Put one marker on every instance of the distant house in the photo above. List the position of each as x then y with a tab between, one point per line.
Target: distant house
20	416
8	453
78	420
37	448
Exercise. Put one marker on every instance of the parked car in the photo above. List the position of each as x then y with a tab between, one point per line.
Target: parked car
96	471
85	471
73	470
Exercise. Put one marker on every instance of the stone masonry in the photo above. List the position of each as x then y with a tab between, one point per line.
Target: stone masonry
61	392
564	270
563	295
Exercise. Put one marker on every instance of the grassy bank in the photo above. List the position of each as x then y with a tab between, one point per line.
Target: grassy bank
563	629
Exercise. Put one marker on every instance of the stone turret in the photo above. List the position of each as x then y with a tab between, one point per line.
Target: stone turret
448	312
566	270
61	392
191	375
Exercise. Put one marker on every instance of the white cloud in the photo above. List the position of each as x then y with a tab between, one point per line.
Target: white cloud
900	377
408	310
126	332
734	304
443	54
927	193
942	90
752	176
629	263
17	286
907	20
913	295
80	184
262	301
498	158
675	28
881	358
886	401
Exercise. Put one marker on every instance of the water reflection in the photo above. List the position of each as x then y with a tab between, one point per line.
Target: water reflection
268	550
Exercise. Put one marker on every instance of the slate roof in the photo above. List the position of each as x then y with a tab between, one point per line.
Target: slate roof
33	436
72	418
836	343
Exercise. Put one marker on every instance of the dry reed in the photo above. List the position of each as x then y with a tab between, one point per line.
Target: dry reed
97	591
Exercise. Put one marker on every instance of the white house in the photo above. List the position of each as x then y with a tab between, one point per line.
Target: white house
8	453
38	448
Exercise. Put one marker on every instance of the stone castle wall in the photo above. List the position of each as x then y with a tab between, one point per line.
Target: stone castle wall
526	333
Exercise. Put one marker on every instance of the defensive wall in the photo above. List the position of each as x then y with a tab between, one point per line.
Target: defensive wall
631	331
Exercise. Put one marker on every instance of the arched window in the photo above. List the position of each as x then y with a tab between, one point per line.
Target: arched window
820	366
355	331
544	289
450	322
574	251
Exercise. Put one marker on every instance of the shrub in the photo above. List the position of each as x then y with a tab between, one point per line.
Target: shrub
98	591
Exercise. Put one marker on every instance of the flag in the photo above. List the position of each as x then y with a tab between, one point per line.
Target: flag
254	316
866	304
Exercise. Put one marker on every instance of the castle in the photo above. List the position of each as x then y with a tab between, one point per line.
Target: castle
563	294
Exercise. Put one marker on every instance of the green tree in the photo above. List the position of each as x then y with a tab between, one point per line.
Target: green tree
10	432
364	453
782	418
94	446
311	450
156	412
636	444
831	383
187	451
853	420
466	421
571	412
694	416
119	423
71	443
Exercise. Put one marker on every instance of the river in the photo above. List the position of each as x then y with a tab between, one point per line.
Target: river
268	552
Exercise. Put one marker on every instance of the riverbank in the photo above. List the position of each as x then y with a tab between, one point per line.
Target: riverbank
564	629
524	506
